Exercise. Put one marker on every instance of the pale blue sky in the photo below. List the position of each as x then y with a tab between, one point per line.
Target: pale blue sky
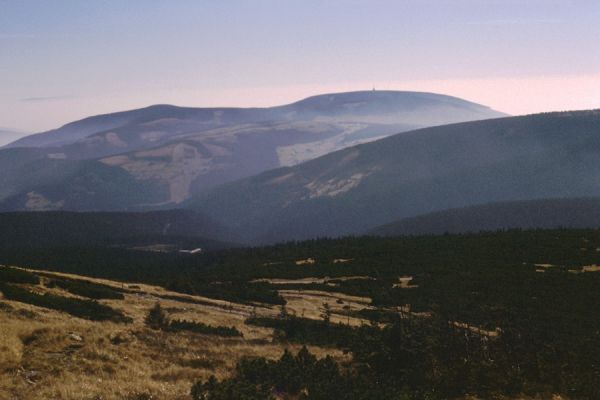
64	59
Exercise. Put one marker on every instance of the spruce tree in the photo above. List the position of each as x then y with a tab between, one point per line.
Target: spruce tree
156	318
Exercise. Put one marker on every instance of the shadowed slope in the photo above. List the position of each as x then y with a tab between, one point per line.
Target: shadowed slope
359	188
530	214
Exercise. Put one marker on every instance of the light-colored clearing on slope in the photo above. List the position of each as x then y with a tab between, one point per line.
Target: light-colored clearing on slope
38	202
308	261
300	152
586	269
404	283
333	187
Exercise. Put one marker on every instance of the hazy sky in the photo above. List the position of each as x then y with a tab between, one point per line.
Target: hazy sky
62	60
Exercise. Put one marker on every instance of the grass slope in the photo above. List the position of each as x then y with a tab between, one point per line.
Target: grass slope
46	353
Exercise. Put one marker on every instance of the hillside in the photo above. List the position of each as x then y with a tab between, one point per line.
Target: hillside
507	315
34	183
170	153
409	108
427	170
48	353
530	214
173	228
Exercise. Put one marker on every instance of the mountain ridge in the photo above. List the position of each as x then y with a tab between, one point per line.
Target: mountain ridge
132	115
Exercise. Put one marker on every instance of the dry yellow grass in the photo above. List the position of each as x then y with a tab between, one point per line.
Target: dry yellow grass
41	356
404	283
306	281
591	268
309	304
545	265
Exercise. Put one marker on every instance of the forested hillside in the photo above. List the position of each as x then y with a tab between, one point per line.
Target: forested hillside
538	156
506	313
529	214
179	228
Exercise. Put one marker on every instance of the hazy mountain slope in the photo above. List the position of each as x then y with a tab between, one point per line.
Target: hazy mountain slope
415	108
193	164
178	152
528	214
410	108
59	228
47	184
350	191
74	131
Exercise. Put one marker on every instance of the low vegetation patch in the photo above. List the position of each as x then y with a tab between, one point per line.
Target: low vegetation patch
87	309
199	327
158	319
86	289
307	331
15	275
301	376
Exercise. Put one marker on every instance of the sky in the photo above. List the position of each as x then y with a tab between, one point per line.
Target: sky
63	60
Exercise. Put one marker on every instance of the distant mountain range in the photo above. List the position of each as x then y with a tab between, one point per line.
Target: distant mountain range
536	171
528	214
350	191
160	156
